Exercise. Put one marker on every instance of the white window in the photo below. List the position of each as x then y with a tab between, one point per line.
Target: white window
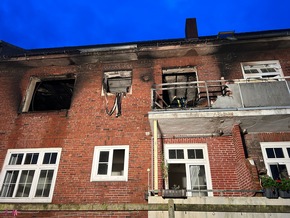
277	159
188	168
110	163
29	175
262	69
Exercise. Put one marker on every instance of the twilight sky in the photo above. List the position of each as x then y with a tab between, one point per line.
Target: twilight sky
58	23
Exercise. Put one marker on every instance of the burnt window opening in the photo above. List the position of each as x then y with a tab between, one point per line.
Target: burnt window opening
118	83
49	94
183	94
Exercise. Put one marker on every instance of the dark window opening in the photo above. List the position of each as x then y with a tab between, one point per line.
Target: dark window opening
52	95
180	95
177	176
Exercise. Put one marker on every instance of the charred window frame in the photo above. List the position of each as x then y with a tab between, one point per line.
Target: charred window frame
262	69
187	95
117	82
49	93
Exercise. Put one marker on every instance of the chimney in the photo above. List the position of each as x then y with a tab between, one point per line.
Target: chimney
191	28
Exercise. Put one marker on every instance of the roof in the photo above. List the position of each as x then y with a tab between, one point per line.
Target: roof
8	50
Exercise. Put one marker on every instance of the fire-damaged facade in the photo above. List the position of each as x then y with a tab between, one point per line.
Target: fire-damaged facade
168	128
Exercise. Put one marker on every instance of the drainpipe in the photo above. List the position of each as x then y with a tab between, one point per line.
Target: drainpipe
155	149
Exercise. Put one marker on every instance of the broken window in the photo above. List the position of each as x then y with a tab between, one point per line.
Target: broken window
52	93
118	83
188	168
262	69
180	91
110	163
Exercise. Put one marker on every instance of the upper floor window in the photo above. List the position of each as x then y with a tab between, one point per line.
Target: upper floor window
110	163
117	82
187	168
277	158
50	93
261	69
29	175
179	92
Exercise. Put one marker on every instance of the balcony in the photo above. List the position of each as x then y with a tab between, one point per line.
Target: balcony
186	109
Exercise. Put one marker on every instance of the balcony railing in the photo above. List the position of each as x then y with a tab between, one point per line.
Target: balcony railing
222	94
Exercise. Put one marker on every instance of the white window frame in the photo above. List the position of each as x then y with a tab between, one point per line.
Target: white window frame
188	162
258	65
109	177
269	161
37	169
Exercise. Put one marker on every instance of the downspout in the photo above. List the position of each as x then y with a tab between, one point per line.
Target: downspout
155	148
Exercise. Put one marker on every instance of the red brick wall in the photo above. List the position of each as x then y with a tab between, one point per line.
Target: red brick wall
228	164
86	125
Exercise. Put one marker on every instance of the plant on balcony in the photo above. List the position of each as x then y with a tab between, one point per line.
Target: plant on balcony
270	187
174	192
284	188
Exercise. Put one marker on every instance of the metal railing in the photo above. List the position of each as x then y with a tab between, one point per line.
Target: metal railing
204	94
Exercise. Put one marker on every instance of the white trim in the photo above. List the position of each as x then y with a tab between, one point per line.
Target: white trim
188	162
108	177
258	65
37	168
268	161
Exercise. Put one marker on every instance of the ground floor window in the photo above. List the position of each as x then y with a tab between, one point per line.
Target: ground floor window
29	175
277	159
187	168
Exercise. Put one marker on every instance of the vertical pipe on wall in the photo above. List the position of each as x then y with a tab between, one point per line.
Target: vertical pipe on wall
155	144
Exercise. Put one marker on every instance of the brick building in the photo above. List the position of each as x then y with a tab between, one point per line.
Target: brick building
118	130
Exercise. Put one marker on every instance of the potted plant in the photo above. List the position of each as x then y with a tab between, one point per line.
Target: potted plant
284	188
269	187
174	192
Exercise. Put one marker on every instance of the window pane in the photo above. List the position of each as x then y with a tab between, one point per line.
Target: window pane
176	154
270	152
31	158
49	158
16	159
44	183
172	154
198	179
118	162
191	154
283	171
104	156
25	183
180	154
195	154
102	169
9	183
288	151
199	154
275	171
279	152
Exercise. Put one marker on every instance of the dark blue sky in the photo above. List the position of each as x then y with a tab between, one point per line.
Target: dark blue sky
58	23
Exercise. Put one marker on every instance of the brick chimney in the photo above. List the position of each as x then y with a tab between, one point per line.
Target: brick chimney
191	28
